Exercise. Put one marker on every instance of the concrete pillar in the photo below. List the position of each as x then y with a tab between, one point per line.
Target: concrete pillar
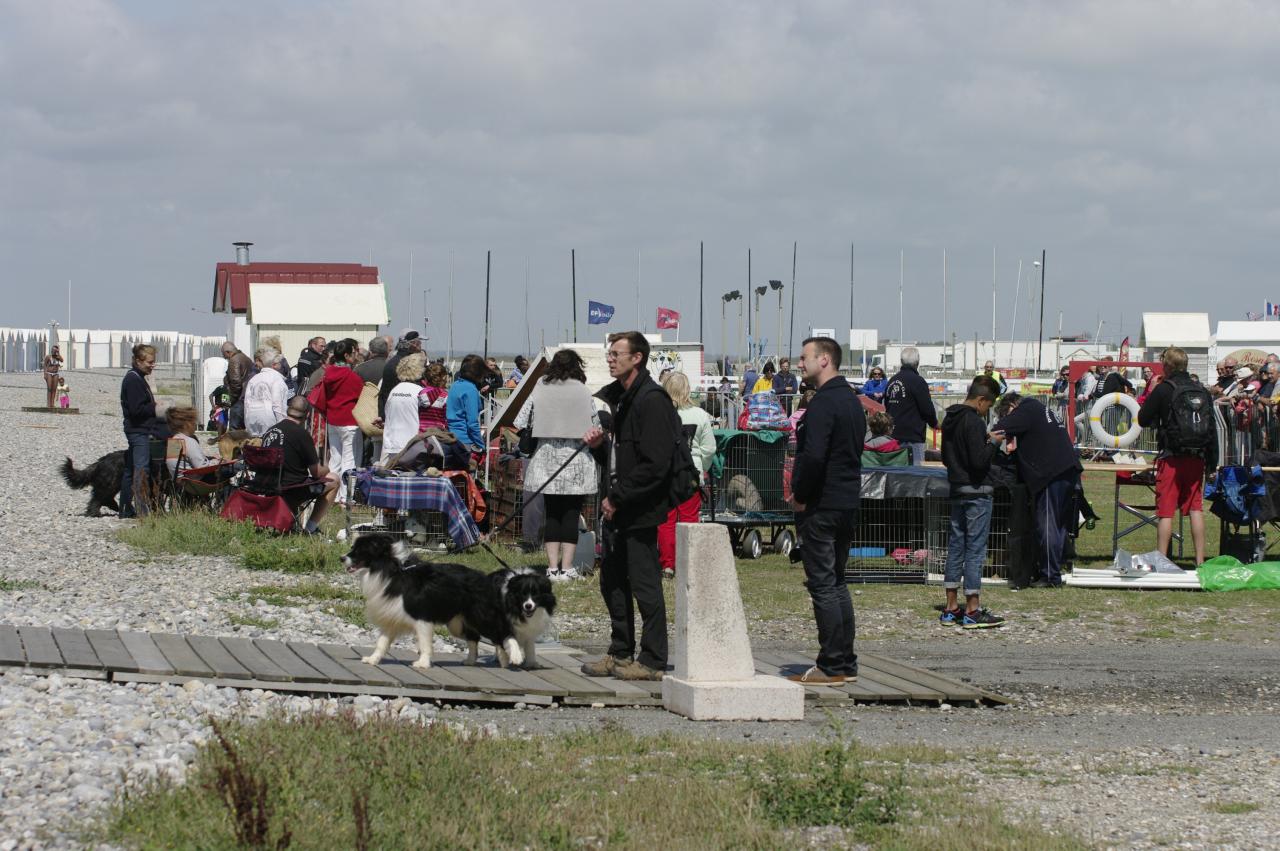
714	676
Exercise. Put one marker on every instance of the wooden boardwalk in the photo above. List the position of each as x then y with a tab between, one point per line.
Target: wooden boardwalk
336	669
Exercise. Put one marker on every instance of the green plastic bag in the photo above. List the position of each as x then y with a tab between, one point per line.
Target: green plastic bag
1228	573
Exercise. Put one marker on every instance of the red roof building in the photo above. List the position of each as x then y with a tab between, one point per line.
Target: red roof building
231	280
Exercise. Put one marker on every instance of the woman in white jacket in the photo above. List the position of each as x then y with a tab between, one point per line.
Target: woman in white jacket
266	394
702	446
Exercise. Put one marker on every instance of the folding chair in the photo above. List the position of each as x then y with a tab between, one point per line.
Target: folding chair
159	490
1144	513
264	498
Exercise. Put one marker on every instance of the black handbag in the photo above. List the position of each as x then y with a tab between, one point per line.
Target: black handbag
527	442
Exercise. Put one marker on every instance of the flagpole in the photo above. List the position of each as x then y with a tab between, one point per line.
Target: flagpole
488	256
700	265
573	270
791	335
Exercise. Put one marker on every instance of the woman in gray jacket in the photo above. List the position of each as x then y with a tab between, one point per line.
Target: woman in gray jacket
559	412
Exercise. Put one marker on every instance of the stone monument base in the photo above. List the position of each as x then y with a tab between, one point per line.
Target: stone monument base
758	699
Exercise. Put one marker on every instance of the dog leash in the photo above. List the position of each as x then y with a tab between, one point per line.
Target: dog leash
582	444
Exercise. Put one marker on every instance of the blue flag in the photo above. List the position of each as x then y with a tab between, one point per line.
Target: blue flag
599	314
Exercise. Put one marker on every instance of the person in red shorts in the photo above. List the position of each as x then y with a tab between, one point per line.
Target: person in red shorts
1182	412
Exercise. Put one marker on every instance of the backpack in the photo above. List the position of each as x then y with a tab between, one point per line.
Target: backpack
1189	427
685	480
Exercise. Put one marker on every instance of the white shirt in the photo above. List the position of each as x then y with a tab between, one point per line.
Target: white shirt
400	420
265	399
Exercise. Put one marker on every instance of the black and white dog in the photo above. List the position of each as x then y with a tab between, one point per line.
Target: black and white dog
509	608
103	476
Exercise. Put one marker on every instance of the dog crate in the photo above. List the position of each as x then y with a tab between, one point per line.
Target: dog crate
421	529
904	525
523	525
749	491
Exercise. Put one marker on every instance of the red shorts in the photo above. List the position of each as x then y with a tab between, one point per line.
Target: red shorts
1179	485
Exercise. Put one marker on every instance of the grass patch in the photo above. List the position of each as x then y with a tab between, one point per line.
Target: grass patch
254	621
180	388
18	584
1232	808
203	534
345	603
318	782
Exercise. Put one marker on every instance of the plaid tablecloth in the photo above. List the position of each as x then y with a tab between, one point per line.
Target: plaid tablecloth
419	493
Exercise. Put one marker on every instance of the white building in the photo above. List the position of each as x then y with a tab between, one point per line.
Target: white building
1187	331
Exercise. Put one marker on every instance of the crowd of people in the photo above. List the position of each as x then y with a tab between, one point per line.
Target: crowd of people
624	445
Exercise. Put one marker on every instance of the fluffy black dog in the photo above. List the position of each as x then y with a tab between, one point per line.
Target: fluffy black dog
102	476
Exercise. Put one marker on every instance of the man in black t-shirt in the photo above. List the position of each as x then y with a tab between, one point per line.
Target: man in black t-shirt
301	462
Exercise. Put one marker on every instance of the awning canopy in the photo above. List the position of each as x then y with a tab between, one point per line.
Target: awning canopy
314	305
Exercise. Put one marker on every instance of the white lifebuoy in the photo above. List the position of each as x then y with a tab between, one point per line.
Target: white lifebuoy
1106	438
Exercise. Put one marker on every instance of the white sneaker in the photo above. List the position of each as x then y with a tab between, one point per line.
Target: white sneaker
571	573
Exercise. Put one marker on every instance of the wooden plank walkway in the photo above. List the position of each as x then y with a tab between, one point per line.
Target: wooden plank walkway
337	669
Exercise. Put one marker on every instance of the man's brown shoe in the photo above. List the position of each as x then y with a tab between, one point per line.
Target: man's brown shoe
637	671
604	666
815	676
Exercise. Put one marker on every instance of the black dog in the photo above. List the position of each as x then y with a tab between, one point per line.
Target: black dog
510	608
103	476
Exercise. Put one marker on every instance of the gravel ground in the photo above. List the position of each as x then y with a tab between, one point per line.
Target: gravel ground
1122	743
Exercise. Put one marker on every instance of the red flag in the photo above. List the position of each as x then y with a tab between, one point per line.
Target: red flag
668	318
1124	349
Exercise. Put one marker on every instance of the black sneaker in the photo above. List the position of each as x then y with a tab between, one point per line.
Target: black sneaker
1044	583
981	619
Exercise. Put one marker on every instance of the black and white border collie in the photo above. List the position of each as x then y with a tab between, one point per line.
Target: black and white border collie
509	608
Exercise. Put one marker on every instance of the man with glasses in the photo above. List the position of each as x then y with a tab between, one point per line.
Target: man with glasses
644	428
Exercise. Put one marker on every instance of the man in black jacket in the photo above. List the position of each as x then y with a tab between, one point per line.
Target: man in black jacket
906	399
967	453
309	360
644	429
826	483
1048	464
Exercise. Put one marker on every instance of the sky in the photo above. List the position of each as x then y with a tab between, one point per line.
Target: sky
1132	142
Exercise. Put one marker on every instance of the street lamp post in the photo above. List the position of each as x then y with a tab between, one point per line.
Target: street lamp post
776	285
733	295
1040	343
759	291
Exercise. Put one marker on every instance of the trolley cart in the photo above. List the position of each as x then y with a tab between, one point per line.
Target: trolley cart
749	491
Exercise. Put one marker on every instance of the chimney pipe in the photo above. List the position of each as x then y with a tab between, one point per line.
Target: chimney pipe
242	253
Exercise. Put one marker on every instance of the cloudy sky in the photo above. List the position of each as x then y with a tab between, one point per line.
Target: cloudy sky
1132	141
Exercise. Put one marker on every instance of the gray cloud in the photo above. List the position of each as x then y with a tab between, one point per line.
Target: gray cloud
1130	140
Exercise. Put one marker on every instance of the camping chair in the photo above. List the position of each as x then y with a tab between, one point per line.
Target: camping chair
159	490
1239	498
264	498
1144	513
896	458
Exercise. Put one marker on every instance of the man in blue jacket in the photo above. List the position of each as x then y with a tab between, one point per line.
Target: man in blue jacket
907	400
826	483
1050	468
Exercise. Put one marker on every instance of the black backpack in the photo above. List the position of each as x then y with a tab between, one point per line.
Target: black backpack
685	480
1189	427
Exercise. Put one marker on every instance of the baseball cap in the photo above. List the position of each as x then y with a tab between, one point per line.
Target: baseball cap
407	334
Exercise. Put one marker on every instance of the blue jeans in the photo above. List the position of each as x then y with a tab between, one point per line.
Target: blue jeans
967	546
824	545
137	460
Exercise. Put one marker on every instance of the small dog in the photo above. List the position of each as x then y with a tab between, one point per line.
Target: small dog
102	476
509	608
